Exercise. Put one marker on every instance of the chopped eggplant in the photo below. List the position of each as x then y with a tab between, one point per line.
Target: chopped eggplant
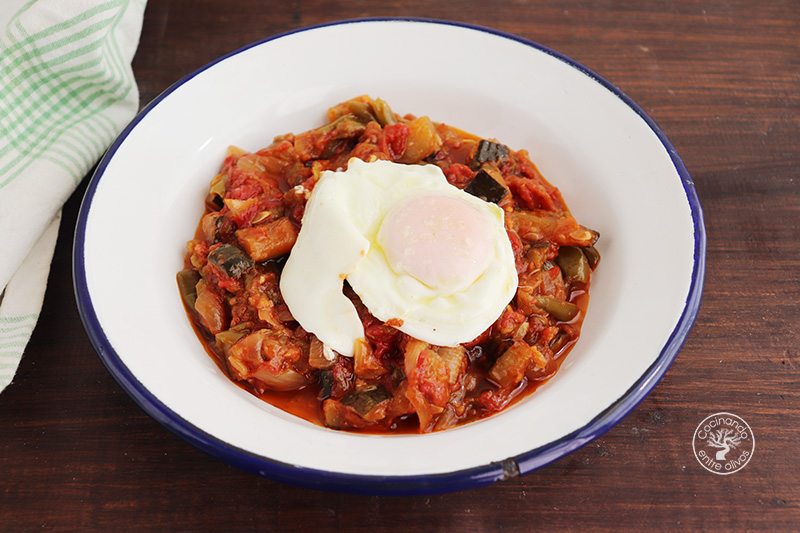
448	418
559	340
573	264
333	414
317	358
366	399
485	187
592	255
547	265
333	148
187	283
216	192
209	226
231	260
490	151
325	379
397	375
269	240
509	369
325	139
214	202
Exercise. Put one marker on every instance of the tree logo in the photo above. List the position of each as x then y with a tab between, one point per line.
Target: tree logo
723	443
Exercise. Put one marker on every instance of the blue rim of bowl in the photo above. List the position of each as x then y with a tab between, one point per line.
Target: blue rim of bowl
393	485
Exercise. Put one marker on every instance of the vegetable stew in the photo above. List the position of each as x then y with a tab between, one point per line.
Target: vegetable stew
393	383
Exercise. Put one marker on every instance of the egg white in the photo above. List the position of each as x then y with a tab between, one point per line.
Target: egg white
338	240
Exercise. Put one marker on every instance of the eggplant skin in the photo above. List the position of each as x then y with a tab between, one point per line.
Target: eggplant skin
489	151
485	187
325	379
231	259
363	401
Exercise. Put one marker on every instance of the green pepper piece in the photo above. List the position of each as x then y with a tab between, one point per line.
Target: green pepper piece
561	311
573	264
187	284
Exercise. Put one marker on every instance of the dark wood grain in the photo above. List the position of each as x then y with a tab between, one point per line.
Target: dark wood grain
723	81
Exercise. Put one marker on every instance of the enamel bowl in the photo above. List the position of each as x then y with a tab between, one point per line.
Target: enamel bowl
616	169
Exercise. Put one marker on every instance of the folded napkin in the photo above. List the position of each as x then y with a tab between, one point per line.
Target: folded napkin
66	91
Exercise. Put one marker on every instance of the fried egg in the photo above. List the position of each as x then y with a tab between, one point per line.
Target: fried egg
431	258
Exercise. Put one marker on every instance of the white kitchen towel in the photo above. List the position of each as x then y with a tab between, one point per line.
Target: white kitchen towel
66	91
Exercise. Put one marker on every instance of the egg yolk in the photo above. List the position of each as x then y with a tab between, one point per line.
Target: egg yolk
443	242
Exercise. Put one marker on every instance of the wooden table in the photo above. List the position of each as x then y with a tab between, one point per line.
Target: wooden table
723	81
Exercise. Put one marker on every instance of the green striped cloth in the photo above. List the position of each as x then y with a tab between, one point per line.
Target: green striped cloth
66	91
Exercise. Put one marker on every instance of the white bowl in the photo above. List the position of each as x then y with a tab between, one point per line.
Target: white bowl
615	168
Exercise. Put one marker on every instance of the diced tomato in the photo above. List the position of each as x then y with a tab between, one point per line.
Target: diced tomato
516	247
532	194
393	142
458	175
510	321
494	401
218	278
431	378
343	377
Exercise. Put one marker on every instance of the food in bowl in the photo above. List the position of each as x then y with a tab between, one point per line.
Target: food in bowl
387	273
